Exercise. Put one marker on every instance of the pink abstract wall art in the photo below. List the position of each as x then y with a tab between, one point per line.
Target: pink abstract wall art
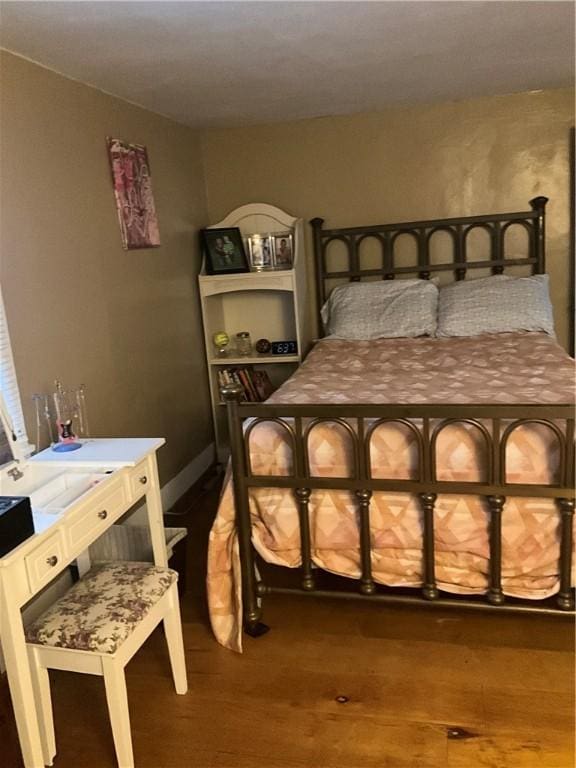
133	193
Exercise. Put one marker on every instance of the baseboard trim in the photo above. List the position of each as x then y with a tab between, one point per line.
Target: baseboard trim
187	477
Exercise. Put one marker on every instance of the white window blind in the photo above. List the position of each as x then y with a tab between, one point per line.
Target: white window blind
8	381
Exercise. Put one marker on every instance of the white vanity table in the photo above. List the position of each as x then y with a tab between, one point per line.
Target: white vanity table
75	497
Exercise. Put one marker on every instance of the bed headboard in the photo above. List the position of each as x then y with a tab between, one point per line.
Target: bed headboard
458	230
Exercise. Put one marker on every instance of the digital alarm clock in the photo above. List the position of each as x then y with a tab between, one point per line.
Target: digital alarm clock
284	348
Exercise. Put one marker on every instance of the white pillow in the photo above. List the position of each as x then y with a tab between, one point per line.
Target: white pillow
381	309
497	304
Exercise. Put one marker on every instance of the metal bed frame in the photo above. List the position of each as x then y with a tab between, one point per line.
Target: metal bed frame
494	422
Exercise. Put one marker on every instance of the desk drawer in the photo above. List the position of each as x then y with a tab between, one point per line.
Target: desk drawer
95	516
46	562
139	480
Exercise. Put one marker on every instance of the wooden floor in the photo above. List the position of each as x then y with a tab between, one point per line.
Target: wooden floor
334	684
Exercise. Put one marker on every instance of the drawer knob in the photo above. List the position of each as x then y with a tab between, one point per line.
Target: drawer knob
52	561
143	479
103	515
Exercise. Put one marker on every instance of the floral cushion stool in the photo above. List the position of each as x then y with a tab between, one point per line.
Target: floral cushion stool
96	628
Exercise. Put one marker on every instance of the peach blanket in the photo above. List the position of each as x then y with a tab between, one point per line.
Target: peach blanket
507	368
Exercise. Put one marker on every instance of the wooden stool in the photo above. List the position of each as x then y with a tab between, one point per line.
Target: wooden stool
96	628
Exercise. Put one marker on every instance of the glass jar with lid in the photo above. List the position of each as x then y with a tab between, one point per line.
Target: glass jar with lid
243	344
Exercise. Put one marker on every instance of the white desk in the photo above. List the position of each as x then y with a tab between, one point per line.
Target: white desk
108	476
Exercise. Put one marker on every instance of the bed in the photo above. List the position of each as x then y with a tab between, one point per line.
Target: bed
438	470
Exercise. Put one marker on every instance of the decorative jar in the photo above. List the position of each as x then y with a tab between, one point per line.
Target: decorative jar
243	344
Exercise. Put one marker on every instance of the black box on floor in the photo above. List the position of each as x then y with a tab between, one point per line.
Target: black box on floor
16	522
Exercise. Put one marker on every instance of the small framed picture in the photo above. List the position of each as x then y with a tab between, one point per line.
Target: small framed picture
224	251
261	252
283	250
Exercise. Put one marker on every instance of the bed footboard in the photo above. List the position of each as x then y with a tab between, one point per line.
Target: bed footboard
496	423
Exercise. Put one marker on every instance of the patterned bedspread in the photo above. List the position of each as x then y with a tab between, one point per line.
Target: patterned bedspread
507	368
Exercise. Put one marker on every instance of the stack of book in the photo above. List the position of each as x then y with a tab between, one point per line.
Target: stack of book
256	385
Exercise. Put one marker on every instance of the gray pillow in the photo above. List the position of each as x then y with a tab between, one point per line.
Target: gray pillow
495	304
382	309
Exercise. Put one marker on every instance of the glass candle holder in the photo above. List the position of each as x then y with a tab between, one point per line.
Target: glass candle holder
243	344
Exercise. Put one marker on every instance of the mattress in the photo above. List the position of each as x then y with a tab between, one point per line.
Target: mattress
515	368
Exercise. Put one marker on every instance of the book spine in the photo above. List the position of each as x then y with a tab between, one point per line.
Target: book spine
238	381
262	384
250	381
250	391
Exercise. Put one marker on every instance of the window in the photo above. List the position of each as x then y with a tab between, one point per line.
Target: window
9	383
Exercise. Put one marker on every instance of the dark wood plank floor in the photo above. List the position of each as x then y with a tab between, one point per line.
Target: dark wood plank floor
423	689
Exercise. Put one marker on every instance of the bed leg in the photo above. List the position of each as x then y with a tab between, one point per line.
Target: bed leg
255	628
565	599
253	613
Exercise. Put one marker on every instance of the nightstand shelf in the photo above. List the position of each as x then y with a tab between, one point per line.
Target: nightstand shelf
267	304
257	360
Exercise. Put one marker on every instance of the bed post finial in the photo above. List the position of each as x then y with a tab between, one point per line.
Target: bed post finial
231	392
317	222
538	204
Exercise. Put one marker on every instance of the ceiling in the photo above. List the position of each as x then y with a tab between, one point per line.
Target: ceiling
219	63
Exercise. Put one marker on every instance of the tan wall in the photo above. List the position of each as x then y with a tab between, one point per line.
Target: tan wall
434	161
127	324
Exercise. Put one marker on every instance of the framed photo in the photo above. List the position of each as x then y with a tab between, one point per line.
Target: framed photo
224	251
283	250
261	252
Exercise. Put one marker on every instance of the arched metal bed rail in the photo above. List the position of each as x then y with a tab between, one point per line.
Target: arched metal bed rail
495	423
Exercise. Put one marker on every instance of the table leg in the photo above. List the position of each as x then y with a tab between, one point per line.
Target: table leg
155	514
20	682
